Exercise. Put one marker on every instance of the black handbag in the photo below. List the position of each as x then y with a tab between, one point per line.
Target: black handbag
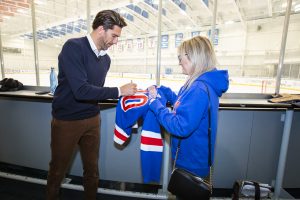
186	185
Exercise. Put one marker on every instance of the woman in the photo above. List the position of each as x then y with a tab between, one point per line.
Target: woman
188	121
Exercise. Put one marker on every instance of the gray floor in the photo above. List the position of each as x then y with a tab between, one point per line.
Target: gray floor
20	190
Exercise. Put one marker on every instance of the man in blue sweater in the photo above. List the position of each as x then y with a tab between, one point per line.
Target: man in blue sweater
83	65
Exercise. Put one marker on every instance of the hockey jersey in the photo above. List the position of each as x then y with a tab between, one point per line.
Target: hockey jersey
128	111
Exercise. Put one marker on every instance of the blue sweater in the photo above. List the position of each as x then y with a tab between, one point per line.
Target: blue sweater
80	81
189	119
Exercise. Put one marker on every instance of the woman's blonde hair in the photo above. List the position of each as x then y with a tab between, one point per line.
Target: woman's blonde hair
202	55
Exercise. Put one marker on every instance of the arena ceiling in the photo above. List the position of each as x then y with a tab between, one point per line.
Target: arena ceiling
60	19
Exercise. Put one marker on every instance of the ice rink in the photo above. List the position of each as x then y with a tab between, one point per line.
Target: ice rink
174	81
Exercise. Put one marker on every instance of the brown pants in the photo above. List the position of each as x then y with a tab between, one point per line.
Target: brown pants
65	136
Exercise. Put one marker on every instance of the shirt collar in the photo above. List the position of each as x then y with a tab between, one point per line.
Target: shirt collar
94	48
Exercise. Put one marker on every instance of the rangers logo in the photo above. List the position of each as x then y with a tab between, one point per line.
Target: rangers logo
129	102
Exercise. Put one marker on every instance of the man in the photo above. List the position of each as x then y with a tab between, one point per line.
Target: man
83	65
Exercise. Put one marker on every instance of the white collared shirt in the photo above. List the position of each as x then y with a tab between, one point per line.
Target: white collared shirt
94	48
98	53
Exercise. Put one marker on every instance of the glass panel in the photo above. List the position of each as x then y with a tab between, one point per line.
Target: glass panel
249	45
290	82
134	56
56	22
247	42
182	20
16	29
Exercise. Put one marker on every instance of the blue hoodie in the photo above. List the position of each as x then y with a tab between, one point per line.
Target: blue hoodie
189	119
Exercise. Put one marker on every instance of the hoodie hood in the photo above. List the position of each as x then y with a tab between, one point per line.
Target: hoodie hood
217	80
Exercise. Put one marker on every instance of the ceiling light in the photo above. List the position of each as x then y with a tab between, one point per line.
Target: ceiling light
40	2
183	12
285	4
21	11
155	2
297	8
229	22
122	11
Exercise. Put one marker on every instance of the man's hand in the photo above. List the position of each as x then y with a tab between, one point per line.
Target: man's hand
128	89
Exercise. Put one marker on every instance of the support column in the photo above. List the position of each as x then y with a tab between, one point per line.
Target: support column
283	44
35	47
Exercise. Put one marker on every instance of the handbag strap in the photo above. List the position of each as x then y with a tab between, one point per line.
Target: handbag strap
209	136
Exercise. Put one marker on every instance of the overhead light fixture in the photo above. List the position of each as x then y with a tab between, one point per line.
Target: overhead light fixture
122	11
229	22
183	12
155	2
40	2
285	4
297	8
21	11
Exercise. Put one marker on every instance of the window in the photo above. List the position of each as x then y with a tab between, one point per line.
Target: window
247	40
17	51
56	22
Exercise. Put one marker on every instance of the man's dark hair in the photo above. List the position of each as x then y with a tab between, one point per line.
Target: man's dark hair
107	19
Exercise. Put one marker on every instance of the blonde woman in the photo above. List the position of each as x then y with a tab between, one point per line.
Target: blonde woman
188	121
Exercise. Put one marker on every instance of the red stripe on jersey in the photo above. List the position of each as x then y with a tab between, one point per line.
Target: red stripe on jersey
120	136
151	141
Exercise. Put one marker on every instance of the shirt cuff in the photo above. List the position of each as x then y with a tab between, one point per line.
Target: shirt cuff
151	100
119	92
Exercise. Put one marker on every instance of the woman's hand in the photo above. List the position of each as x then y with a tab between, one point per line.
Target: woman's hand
152	92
